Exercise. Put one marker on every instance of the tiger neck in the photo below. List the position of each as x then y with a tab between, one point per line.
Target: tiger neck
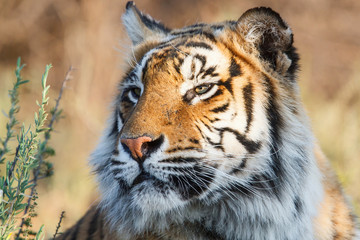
283	208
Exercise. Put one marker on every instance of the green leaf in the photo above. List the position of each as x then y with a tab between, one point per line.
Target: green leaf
24	81
45	75
39	233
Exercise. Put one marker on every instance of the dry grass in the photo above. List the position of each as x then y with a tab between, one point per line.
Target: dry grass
86	34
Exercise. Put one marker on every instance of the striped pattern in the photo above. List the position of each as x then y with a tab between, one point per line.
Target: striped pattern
231	154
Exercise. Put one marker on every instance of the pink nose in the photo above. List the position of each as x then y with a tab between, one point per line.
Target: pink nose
136	145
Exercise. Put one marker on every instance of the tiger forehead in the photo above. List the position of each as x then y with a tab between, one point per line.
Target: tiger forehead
189	59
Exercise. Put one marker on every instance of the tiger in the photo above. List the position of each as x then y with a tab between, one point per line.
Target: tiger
208	140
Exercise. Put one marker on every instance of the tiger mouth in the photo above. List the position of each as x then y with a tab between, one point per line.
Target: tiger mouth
142	177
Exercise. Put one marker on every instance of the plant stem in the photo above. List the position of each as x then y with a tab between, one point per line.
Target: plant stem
47	137
59	224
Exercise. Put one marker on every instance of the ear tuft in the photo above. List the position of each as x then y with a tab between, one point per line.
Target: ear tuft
129	4
268	33
140	26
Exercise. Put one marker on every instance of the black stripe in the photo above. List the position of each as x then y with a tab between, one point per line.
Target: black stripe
193	140
199	45
240	167
180	149
211	120
117	171
116	163
251	146
196	25
170	53
217	93
145	68
227	84
197	127
269	182
179	160
123	184
187	32
217	27
207	126
170	43
292	54
298	205
275	124
209	36
121	116
210	71
222	108
201	58
192	68
208	140
234	69
198	31
249	101
151	23
93	225
115	151
203	63
177	66
114	129
214	144
214	120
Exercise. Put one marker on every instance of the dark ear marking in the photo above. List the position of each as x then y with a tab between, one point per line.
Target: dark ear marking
140	26
265	30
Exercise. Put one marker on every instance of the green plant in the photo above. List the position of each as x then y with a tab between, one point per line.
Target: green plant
18	182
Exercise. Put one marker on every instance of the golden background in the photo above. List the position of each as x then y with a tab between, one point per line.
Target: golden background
88	35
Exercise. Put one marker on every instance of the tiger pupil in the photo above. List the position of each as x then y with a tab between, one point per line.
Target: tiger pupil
136	91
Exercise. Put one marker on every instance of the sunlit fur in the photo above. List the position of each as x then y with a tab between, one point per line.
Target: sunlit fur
237	160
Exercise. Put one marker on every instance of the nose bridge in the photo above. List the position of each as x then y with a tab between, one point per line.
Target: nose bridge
153	112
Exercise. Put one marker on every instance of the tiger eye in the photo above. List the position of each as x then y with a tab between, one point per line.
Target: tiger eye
136	91
202	89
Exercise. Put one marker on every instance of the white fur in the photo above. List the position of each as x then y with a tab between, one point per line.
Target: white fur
133	27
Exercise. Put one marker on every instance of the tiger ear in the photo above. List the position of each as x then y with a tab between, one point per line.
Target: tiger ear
140	26
271	36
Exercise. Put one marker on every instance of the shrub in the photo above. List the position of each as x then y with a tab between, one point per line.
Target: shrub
27	163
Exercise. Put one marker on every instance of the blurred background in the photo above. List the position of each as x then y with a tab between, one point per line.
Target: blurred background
88	35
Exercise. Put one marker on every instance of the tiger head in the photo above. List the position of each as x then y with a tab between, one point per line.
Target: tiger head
200	118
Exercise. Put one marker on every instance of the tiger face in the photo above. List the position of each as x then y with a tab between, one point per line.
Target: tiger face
195	105
199	117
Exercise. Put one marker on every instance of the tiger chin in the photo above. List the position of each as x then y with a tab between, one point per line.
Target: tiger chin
208	139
